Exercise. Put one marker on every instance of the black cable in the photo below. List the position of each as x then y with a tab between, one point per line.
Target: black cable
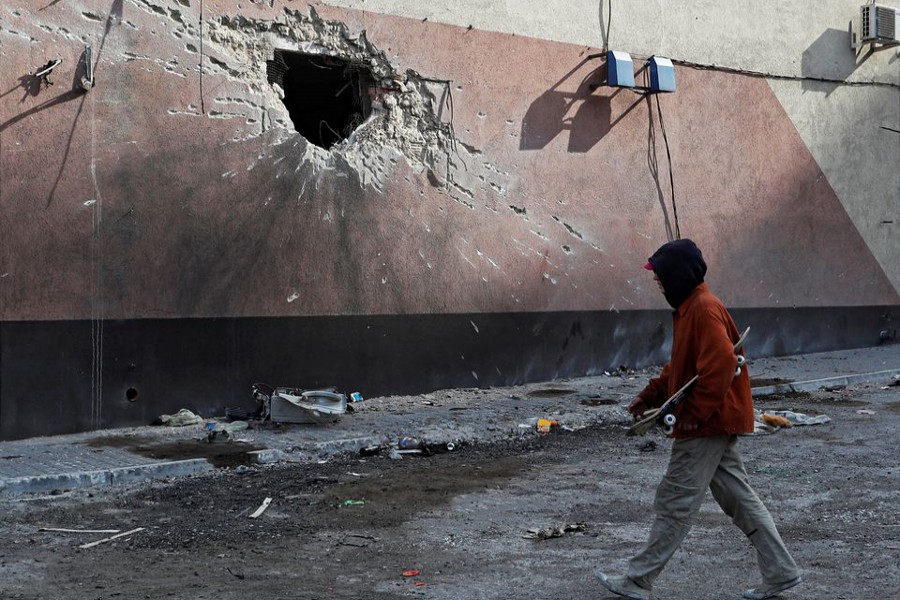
662	126
608	22
202	106
765	75
448	85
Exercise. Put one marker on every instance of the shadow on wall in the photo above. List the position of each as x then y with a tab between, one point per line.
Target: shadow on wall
32	85
829	57
548	115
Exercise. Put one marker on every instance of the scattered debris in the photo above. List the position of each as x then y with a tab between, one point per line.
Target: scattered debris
262	508
213	429
109	539
292	405
546	533
621	371
648	446
238	575
437	448
409	443
346	503
761	426
412	445
865	411
412	572
180	419
370	451
43	73
895	382
545	425
356	397
775	420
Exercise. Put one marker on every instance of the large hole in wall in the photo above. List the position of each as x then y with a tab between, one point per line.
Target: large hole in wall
326	97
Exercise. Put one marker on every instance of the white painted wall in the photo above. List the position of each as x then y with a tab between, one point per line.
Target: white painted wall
838	99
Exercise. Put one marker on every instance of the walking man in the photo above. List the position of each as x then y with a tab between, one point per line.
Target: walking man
704	453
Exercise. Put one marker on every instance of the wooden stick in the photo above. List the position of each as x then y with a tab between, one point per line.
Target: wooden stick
109	539
262	508
63	530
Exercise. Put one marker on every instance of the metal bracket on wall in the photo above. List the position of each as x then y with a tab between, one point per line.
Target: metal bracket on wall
87	80
876	39
43	73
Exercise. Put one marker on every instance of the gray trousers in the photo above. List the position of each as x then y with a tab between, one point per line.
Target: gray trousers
713	462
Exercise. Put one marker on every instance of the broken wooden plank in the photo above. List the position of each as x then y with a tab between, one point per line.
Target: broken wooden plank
111	538
262	508
64	530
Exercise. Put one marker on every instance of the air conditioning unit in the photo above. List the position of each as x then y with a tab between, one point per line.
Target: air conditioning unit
879	24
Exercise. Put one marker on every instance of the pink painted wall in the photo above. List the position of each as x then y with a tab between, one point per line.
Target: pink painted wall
121	202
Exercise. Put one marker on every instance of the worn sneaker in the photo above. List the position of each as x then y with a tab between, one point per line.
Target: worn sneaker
623	586
768	590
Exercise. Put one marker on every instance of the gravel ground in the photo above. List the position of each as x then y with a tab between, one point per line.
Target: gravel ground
352	526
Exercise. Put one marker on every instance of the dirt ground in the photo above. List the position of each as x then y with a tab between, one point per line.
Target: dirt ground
461	519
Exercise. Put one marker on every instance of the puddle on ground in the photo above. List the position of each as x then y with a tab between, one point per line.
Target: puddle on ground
550	393
219	454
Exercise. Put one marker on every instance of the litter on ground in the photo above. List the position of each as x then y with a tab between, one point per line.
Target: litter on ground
180	419
553	531
771	421
261	508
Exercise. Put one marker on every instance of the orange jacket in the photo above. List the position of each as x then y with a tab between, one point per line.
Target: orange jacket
703	344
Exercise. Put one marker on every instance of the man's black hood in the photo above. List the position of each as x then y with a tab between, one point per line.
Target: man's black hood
680	268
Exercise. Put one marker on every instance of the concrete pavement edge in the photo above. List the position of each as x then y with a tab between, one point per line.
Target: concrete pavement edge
83	479
888	376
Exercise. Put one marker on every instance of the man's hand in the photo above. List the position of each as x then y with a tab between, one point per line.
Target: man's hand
637	407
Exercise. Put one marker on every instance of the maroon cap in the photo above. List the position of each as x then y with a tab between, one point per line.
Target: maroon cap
648	266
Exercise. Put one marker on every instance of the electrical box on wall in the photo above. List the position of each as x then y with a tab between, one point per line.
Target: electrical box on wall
662	74
619	69
879	24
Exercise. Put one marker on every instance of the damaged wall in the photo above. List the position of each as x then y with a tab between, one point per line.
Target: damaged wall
168	237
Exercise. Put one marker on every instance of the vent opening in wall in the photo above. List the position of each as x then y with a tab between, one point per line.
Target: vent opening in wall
327	97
